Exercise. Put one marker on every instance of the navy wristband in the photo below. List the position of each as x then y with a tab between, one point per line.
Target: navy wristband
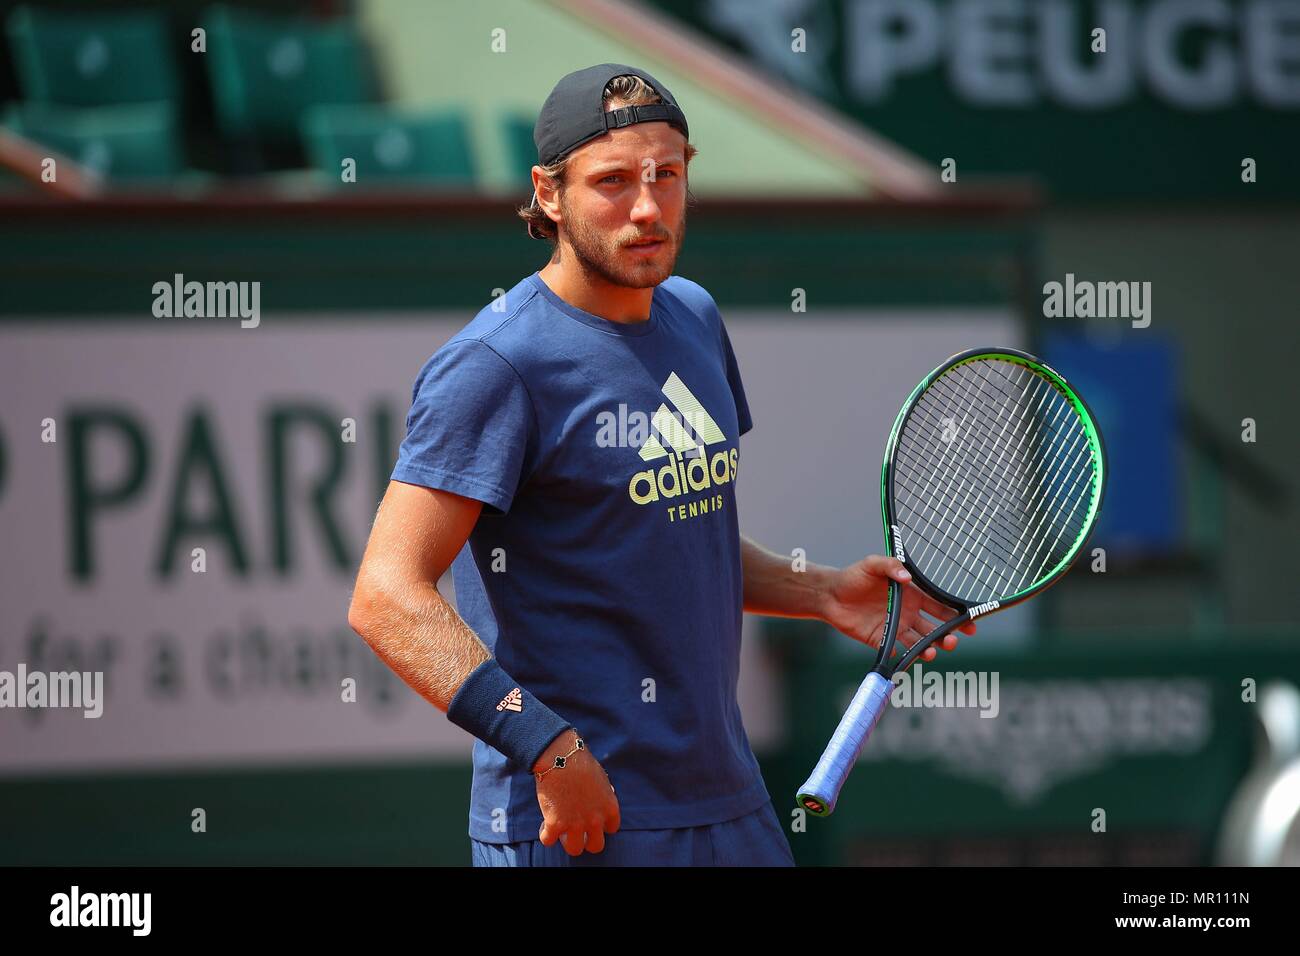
492	706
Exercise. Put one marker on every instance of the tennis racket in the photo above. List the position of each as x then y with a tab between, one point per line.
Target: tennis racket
992	482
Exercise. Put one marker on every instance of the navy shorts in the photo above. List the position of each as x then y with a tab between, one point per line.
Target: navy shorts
755	839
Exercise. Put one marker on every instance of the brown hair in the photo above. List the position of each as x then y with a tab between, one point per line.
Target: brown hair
629	90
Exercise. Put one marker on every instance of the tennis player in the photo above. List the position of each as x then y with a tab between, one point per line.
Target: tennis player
572	455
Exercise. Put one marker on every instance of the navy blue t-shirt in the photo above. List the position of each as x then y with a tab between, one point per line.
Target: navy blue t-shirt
604	573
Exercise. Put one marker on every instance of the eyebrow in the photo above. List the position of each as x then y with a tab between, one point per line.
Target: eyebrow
618	167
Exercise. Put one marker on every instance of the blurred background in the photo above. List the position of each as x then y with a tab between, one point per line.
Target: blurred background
881	183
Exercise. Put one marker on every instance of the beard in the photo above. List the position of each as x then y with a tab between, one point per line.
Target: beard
600	257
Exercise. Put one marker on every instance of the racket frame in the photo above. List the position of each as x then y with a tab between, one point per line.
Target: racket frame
899	550
820	792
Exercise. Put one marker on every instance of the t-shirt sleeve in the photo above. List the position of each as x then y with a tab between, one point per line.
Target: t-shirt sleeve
743	418
471	426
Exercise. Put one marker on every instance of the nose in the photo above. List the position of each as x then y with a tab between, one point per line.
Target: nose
645	209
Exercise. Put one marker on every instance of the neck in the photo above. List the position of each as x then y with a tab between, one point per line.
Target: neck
592	293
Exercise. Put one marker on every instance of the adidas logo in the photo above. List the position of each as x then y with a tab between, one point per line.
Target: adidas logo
512	701
683	438
673	429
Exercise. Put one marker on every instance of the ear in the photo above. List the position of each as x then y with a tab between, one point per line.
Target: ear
546	195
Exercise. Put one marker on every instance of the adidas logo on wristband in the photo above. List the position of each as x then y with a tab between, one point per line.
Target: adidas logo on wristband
512	701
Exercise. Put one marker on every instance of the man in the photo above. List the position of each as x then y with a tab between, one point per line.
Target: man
572	454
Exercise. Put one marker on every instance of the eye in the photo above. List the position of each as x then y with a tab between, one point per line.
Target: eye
612	177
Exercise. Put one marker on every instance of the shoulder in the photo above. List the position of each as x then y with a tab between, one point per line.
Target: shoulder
497	339
692	301
692	296
507	325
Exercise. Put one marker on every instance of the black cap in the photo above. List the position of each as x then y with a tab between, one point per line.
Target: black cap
575	113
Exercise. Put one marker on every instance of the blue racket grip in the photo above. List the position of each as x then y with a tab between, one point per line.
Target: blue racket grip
819	793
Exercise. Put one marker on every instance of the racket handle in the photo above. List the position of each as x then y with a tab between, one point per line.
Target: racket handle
819	793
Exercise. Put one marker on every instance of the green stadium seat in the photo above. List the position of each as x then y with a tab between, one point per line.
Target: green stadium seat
266	70
130	141
521	151
92	59
390	146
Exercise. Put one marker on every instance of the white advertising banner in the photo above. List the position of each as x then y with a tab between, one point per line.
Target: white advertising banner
184	502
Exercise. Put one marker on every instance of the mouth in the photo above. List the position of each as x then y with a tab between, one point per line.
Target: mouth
646	245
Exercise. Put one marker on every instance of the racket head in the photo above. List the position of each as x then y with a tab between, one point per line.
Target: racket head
993	479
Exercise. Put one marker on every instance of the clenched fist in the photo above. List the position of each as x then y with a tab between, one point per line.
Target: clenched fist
577	800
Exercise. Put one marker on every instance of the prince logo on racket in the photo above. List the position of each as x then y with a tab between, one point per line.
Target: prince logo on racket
626	557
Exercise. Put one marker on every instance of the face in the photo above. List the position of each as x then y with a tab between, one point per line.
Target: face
611	201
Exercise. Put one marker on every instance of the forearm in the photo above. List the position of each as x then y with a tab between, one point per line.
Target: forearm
426	643
775	588
418	634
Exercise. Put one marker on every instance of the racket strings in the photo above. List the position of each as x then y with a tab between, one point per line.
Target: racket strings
1061	496
1050	428
995	580
1001	401
983	554
1001	534
993	476
1020	504
1023	501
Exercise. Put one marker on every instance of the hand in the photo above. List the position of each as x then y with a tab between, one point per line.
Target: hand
854	604
577	800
